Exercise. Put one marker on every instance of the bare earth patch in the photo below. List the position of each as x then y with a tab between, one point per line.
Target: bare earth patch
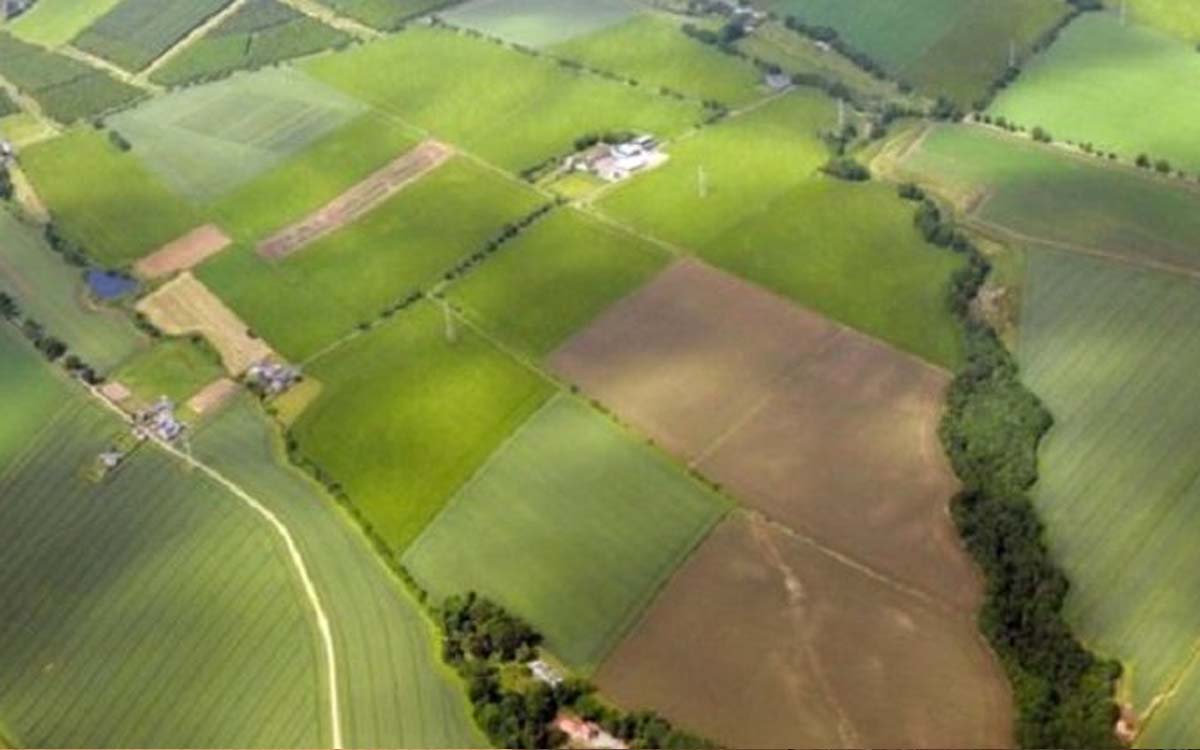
213	396
832	437
184	306
184	253
358	200
115	392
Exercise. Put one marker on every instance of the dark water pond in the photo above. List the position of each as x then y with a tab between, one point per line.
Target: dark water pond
108	285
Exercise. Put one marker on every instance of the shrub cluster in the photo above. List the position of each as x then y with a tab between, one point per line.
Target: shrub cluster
845	168
991	431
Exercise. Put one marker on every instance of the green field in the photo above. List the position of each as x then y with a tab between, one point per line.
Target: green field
313	177
394	690
1115	86
514	109
157	585
134	33
1031	190
64	88
7	106
133	215
52	23
206	141
385	15
175	368
1180	19
850	251
554	279
950	47
1113	353
307	301
572	524
747	163
28	395
260	33
539	23
53	293
406	417
654	51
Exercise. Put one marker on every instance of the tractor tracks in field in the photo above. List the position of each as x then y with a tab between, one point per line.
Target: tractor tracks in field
321	617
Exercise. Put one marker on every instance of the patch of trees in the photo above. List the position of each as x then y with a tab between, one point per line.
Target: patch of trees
70	251
829	36
482	641
724	38
53	349
991	431
845	168
6	184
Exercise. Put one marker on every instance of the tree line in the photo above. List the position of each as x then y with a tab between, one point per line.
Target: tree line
991	431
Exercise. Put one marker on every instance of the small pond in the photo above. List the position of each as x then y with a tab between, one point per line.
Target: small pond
108	285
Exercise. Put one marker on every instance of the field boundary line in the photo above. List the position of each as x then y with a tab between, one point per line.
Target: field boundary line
1164	697
210	23
332	18
314	598
100	63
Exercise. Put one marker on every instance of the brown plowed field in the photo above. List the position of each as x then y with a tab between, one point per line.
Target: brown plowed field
827	432
184	306
762	640
358	200
187	252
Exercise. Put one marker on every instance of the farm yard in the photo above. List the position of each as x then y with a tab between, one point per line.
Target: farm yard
259	33
207	141
52	292
955	48
1018	188
539	23
135	216
1110	350
499	112
351	277
64	89
554	279
1113	85
135	33
571	523
401	396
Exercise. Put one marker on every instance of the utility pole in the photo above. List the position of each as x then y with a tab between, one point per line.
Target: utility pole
448	316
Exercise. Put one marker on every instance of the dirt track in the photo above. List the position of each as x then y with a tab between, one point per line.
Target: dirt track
358	200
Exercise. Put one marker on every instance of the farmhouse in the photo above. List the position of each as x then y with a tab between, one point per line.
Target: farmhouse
613	162
586	734
777	80
272	378
159	422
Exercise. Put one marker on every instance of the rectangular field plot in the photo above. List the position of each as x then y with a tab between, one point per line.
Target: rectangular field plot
310	179
51	291
850	251
1032	192
654	50
1115	85
175	368
395	691
1113	351
819	427
385	15
1178	19
955	48
30	397
308	300
540	23
52	23
764	640
259	33
405	417
134	33
205	141
553	279
155	583
572	524
65	88
514	109
725	173
131	216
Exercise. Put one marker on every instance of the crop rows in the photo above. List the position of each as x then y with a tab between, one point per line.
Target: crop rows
386	15
1113	353
260	33
136	32
66	89
184	625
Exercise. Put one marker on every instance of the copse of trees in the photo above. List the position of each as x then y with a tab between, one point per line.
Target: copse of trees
991	431
845	168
